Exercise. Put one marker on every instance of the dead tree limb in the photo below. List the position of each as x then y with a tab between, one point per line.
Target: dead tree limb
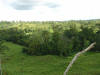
77	55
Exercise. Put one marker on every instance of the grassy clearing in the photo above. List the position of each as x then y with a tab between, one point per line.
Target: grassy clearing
16	63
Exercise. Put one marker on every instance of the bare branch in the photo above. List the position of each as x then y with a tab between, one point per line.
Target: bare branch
77	55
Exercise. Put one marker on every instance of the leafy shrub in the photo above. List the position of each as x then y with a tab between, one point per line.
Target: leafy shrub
56	38
97	48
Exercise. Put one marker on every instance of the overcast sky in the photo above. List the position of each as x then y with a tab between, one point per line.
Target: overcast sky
49	10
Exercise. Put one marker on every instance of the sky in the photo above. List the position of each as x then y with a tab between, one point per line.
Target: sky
49	10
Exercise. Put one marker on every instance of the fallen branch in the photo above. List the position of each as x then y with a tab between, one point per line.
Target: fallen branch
77	55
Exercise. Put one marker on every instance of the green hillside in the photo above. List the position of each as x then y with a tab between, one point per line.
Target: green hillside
15	62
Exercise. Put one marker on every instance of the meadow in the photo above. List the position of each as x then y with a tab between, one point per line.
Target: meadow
46	48
17	63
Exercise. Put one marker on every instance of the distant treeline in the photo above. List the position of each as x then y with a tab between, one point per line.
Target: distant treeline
56	38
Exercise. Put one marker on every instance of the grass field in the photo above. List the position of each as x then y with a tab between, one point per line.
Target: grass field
14	62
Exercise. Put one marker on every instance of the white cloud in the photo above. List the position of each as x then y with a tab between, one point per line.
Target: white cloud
45	10
30	4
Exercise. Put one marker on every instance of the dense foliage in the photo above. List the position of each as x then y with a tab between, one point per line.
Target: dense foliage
56	38
2	47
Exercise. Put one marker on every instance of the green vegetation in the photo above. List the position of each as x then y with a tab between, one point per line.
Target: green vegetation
17	63
46	48
53	38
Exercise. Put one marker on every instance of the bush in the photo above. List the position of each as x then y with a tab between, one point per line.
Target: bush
51	38
97	47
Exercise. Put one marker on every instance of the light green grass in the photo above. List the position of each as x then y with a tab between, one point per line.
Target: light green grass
17	63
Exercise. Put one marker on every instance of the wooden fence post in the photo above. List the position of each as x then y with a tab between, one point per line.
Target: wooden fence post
77	55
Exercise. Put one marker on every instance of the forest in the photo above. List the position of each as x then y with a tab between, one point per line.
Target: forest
57	38
54	38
